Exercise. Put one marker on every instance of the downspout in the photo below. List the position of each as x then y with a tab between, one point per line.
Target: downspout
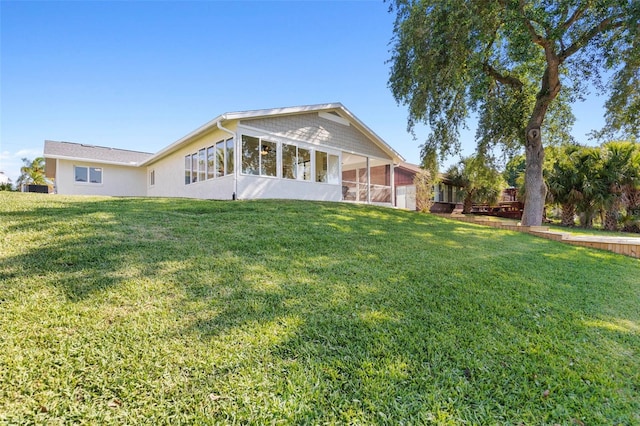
235	166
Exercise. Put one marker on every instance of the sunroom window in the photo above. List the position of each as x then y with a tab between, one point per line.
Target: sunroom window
220	159
259	157
327	167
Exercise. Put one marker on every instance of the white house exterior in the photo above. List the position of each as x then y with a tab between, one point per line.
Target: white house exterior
79	169
315	152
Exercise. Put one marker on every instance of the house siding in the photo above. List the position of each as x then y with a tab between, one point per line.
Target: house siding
169	173
116	180
313	129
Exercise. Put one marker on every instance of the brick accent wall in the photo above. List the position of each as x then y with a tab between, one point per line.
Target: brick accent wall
314	129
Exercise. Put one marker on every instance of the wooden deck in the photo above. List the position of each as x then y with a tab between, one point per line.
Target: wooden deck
628	246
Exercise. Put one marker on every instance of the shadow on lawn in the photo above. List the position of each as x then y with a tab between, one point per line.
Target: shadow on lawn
355	309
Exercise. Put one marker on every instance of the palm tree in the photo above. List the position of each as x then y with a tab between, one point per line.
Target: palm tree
32	173
592	188
618	175
564	183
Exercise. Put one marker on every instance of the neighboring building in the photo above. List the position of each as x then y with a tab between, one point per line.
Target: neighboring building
315	152
404	175
445	195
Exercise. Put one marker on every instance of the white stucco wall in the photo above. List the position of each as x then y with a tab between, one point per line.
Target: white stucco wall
169	173
251	187
116	180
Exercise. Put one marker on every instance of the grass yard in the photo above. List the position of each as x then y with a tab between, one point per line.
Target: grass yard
167	311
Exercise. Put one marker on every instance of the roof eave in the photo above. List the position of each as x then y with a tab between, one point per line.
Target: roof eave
92	160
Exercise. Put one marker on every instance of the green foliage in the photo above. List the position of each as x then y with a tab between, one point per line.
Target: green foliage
424	181
175	311
33	172
6	186
478	180
514	168
517	64
592	180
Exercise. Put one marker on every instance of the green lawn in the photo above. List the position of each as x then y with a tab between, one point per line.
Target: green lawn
166	311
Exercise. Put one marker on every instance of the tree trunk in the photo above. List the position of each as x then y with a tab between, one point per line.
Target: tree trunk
568	214
467	204
611	216
536	190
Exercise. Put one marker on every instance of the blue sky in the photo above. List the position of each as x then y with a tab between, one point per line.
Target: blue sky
140	75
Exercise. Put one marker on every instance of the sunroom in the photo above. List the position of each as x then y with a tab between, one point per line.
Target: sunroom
313	152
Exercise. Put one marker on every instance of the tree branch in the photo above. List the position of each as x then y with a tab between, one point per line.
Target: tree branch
504	79
604	25
577	14
535	37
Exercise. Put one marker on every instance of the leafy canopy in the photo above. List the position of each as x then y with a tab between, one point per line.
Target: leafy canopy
452	58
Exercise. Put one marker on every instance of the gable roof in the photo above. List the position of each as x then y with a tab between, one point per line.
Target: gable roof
336	107
98	154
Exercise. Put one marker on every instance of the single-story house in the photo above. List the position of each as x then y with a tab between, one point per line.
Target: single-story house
314	152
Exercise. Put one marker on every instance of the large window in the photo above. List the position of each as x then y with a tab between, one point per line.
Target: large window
194	167
304	164
201	165
321	166
289	161
230	157
88	174
250	155
327	168
259	157
220	159
187	169
211	162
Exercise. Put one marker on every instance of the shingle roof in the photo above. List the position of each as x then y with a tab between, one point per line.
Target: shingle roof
101	154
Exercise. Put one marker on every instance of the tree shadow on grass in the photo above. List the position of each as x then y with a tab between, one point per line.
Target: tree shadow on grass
392	324
344	313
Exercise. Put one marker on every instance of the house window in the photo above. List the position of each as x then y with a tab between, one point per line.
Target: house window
187	169
152	177
211	165
289	161
82	174
194	168
296	162
230	161
220	159
88	174
259	157
304	164
201	165
250	155
321	166
268	158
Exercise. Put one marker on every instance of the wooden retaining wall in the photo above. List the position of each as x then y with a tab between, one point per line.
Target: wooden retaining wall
628	246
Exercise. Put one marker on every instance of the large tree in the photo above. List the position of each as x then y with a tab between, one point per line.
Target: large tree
518	65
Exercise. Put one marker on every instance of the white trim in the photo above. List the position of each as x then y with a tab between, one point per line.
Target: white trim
91	160
334	118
